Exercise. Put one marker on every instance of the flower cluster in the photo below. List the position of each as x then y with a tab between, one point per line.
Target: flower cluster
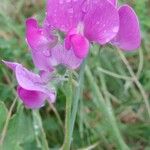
68	30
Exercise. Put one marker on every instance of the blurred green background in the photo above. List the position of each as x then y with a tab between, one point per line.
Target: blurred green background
27	130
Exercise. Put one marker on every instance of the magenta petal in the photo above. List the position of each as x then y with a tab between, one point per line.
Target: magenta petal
31	99
35	35
61	56
64	14
128	37
80	46
39	43
101	21
114	2
33	82
31	86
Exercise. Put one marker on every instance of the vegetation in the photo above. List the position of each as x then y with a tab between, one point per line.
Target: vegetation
118	79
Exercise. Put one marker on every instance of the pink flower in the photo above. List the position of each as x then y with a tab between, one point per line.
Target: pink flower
83	21
31	89
46	51
128	37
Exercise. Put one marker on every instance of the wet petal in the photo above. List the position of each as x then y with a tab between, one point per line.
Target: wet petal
35	35
61	56
31	99
101	21
128	37
39	43
41	59
64	14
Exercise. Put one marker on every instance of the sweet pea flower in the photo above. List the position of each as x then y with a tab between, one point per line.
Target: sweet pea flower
128	37
83	21
31	89
46	52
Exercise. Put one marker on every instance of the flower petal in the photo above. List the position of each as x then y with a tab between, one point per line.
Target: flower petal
78	43
114	2
61	56
101	21
35	35
31	81
40	44
64	14
41	59
80	46
28	79
10	65
128	37
31	99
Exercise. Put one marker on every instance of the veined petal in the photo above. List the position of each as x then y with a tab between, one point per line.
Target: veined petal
61	56
101	21
64	14
128	37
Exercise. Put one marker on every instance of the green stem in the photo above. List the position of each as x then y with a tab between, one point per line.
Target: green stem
39	131
107	112
66	145
77	97
136	81
4	131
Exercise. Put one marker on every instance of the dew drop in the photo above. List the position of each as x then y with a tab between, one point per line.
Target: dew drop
47	53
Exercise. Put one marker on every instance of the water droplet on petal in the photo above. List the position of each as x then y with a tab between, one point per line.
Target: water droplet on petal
47	53
115	29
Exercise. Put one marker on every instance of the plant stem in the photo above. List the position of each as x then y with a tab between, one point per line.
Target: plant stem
136	81
107	112
39	131
112	74
77	97
66	145
7	123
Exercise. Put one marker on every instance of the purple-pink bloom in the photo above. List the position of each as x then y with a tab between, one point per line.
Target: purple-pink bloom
31	89
46	51
83	21
129	36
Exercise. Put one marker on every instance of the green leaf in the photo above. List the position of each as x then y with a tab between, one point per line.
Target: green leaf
20	131
3	115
